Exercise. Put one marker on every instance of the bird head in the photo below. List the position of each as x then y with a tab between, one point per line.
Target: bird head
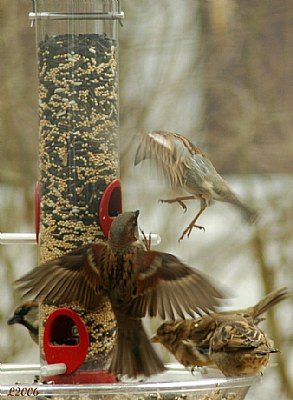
27	314
166	334
27	311
124	229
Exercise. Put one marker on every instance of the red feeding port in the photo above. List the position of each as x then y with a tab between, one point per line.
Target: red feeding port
110	205
66	339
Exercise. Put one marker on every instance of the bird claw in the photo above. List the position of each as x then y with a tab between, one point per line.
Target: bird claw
188	230
200	227
182	205
169	201
146	241
202	370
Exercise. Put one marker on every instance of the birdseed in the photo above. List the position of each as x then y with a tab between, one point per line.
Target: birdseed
218	394
78	111
78	107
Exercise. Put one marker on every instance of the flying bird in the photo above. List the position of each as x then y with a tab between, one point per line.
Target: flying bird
188	169
137	282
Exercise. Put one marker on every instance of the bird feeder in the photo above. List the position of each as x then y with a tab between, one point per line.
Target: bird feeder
79	191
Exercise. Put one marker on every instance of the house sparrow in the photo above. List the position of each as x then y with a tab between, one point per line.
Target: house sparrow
189	340
187	168
240	348
201	329
174	336
136	281
27	314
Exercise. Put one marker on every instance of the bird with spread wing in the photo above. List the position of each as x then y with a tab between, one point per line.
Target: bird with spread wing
137	282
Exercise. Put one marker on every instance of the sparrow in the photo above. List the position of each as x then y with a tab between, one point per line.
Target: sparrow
27	314
174	336
189	340
240	348
187	168
201	329
137	282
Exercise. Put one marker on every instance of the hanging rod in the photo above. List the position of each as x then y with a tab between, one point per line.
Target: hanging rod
30	238
77	16
14	238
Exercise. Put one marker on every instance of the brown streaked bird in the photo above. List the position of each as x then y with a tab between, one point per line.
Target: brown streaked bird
174	336
189	340
240	348
201	329
27	314
187	168
136	281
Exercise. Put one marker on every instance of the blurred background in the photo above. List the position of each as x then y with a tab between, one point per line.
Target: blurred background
220	73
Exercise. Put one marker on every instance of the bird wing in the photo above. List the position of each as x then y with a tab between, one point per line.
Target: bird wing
237	335
168	287
171	152
69	278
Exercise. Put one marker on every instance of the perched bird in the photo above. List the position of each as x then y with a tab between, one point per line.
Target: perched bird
174	336
136	281
189	340
240	348
187	168
201	329
27	314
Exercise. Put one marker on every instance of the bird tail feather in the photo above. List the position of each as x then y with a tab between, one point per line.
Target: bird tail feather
133	354
269	301
248	213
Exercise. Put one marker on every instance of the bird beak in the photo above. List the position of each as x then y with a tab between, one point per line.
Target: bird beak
155	339
15	319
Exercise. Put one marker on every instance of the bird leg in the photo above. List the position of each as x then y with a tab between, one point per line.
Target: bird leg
178	200
145	241
193	224
202	370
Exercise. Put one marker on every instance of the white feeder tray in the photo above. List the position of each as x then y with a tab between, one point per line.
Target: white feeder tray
175	384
